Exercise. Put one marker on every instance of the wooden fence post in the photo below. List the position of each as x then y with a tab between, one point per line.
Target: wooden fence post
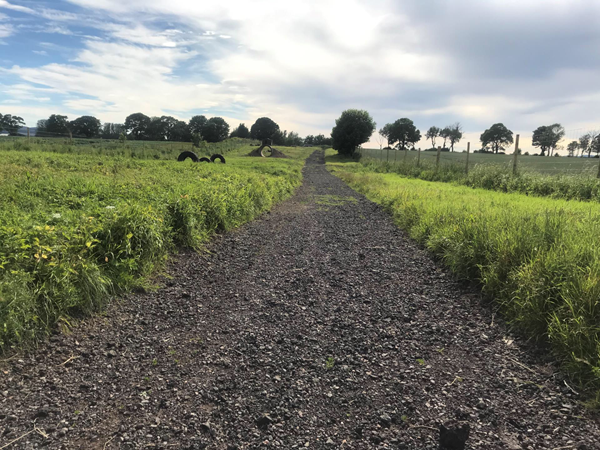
437	158
515	155
28	136
388	155
419	157
405	154
468	151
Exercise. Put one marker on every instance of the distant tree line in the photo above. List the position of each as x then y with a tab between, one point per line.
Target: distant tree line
139	126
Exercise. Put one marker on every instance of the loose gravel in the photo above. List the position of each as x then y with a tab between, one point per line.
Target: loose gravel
320	325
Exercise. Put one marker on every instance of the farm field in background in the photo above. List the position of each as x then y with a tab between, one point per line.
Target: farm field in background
542	164
76	228
537	258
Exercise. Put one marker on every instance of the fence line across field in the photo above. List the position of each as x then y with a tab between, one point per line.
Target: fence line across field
514	162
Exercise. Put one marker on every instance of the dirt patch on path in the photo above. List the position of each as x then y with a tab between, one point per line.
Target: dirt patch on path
319	325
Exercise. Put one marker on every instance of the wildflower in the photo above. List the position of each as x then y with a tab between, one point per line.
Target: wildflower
56	216
110	207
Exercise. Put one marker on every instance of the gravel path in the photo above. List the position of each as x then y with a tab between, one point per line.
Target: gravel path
319	325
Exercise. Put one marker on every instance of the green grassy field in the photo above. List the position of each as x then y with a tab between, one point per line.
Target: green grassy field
77	228
546	165
129	149
537	258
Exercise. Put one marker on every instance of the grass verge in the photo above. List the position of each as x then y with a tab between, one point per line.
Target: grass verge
537	258
75	229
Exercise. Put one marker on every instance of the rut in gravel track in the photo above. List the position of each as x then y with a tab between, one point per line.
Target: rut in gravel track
319	325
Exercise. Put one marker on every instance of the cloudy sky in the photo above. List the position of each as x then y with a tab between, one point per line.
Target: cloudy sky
521	62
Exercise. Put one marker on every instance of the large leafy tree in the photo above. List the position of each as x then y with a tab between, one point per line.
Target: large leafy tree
454	134
57	125
11	123
404	132
547	137
352	129
497	137
180	131
87	126
215	130
196	124
137	125
264	128
432	134
241	131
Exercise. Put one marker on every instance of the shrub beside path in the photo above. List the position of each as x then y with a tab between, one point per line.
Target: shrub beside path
320	325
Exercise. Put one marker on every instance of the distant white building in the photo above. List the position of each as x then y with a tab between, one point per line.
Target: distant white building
3	134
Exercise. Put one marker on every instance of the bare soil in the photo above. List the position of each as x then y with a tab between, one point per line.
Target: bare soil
320	325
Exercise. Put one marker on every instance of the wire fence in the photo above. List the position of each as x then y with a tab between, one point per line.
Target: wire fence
577	161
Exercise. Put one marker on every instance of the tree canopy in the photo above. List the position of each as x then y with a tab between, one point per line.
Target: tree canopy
498	137
352	129
241	131
263	128
87	126
197	123
404	132
215	130
547	137
454	134
432	134
137	125
10	123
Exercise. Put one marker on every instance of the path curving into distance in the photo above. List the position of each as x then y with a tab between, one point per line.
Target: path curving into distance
320	325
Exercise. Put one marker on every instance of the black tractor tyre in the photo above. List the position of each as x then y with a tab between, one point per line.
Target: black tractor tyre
204	159
217	156
185	155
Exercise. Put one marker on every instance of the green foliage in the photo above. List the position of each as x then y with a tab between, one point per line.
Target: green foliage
402	131
263	128
75	229
352	129
548	137
10	123
241	131
86	126
215	130
498	137
538	258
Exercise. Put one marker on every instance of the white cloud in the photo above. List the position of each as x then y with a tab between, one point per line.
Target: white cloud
5	30
40	52
5	4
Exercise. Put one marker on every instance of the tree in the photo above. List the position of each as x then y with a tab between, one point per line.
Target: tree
11	123
404	132
498	137
41	128
263	128
547	137
57	125
455	134
112	130
352	129
87	126
432	134
309	140
445	134
137	125
241	131
180	131
572	148
586	142
215	130
196	123
386	132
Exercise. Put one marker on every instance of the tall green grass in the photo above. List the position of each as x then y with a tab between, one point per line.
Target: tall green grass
75	229
538	258
129	149
583	186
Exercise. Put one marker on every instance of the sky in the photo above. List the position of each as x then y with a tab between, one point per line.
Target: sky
524	63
